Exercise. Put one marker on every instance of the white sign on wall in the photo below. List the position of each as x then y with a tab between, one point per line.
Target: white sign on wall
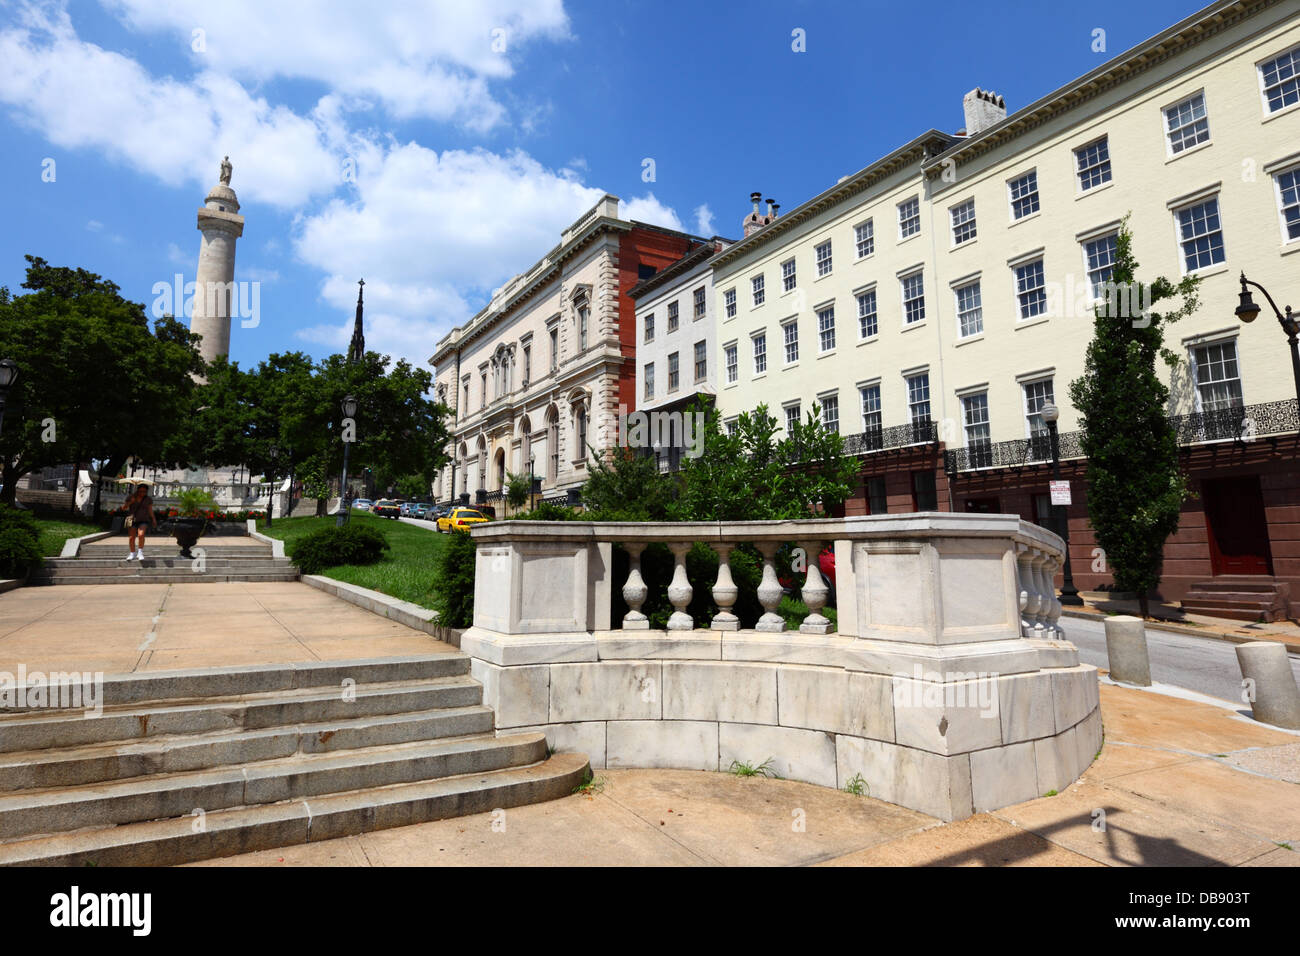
1061	493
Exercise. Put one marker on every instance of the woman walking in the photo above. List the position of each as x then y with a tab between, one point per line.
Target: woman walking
139	511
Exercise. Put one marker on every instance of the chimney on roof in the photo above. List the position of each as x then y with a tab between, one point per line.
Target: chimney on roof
755	220
773	209
983	108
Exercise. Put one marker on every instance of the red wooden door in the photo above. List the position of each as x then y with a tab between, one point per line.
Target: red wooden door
1234	514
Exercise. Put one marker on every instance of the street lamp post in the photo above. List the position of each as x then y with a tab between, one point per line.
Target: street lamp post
531	461
1248	311
274	454
349	412
8	375
1069	593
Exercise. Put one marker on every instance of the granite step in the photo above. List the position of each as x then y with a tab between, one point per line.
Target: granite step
241	830
27	813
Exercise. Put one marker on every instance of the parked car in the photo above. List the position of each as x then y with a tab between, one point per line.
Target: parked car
438	511
406	509
362	504
388	508
419	509
460	519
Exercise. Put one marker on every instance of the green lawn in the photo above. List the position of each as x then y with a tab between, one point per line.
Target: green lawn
55	531
406	573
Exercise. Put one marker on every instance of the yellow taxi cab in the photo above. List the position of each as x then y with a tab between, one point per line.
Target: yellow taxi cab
460	519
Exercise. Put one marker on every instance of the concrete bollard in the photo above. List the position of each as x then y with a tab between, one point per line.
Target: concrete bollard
1276	698
1126	650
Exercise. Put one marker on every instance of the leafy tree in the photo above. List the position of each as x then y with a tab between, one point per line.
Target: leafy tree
95	382
412	488
1135	487
518	488
625	486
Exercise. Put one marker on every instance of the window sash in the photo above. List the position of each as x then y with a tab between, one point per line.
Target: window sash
1218	376
674	373
826	329
733	362
867	323
790	337
913	298
650	327
672	316
871	414
1037	395
864	236
824	258
760	353
729	302
1093	164
831	412
787	275
918	397
1281	80
970	312
701	361
909	218
757	289
1031	290
1024	195
650	380
1099	255
963	222
1201	232
1187	124
699	303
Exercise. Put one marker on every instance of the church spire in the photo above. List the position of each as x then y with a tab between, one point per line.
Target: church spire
357	349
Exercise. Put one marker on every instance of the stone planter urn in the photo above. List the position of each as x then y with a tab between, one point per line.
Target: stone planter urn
187	532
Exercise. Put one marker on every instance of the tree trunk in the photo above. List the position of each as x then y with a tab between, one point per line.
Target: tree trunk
10	476
1144	605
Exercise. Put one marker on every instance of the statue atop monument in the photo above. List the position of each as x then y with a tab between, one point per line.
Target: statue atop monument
225	171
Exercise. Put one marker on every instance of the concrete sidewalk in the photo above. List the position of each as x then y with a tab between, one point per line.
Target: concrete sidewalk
1178	783
120	628
1171	617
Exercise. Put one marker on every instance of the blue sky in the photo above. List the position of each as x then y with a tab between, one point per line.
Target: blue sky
437	148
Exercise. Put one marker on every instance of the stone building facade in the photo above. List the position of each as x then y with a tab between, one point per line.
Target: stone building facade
536	378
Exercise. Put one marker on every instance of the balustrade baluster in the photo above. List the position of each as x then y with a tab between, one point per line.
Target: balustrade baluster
769	591
634	591
725	592
680	590
1028	591
1044	600
814	592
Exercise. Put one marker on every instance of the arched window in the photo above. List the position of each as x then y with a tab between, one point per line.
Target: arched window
580	427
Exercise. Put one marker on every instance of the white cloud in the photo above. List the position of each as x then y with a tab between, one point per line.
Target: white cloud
94	225
704	220
650	210
420	58
178	258
432	233
79	95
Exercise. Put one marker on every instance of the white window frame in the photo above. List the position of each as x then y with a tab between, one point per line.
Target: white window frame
649	327
789	341
756	339
1109	163
903	280
1028	415
1293	171
874	314
914	404
758	289
789	276
967	401
1088	270
1019	293
1012	198
1195	366
864	390
797	409
1199	200
824	261
827	401
649	377
966	211
674	372
729	302
1171	131
903	220
1294	53
701	356
864	235
673	322
823	327
731	361
700	303
977	310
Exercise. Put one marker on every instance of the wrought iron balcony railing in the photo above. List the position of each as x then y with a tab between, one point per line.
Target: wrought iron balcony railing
921	432
1239	423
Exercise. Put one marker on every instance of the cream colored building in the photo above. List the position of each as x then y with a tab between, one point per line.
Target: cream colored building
538	375
951	281
865	311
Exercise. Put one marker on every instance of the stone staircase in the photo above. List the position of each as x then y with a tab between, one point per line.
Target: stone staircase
224	558
1240	597
191	765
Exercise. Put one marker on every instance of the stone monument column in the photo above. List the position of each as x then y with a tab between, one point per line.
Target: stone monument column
214	294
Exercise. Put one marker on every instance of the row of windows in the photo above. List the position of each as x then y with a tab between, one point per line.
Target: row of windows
674	377
1186	124
1214	365
699	304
